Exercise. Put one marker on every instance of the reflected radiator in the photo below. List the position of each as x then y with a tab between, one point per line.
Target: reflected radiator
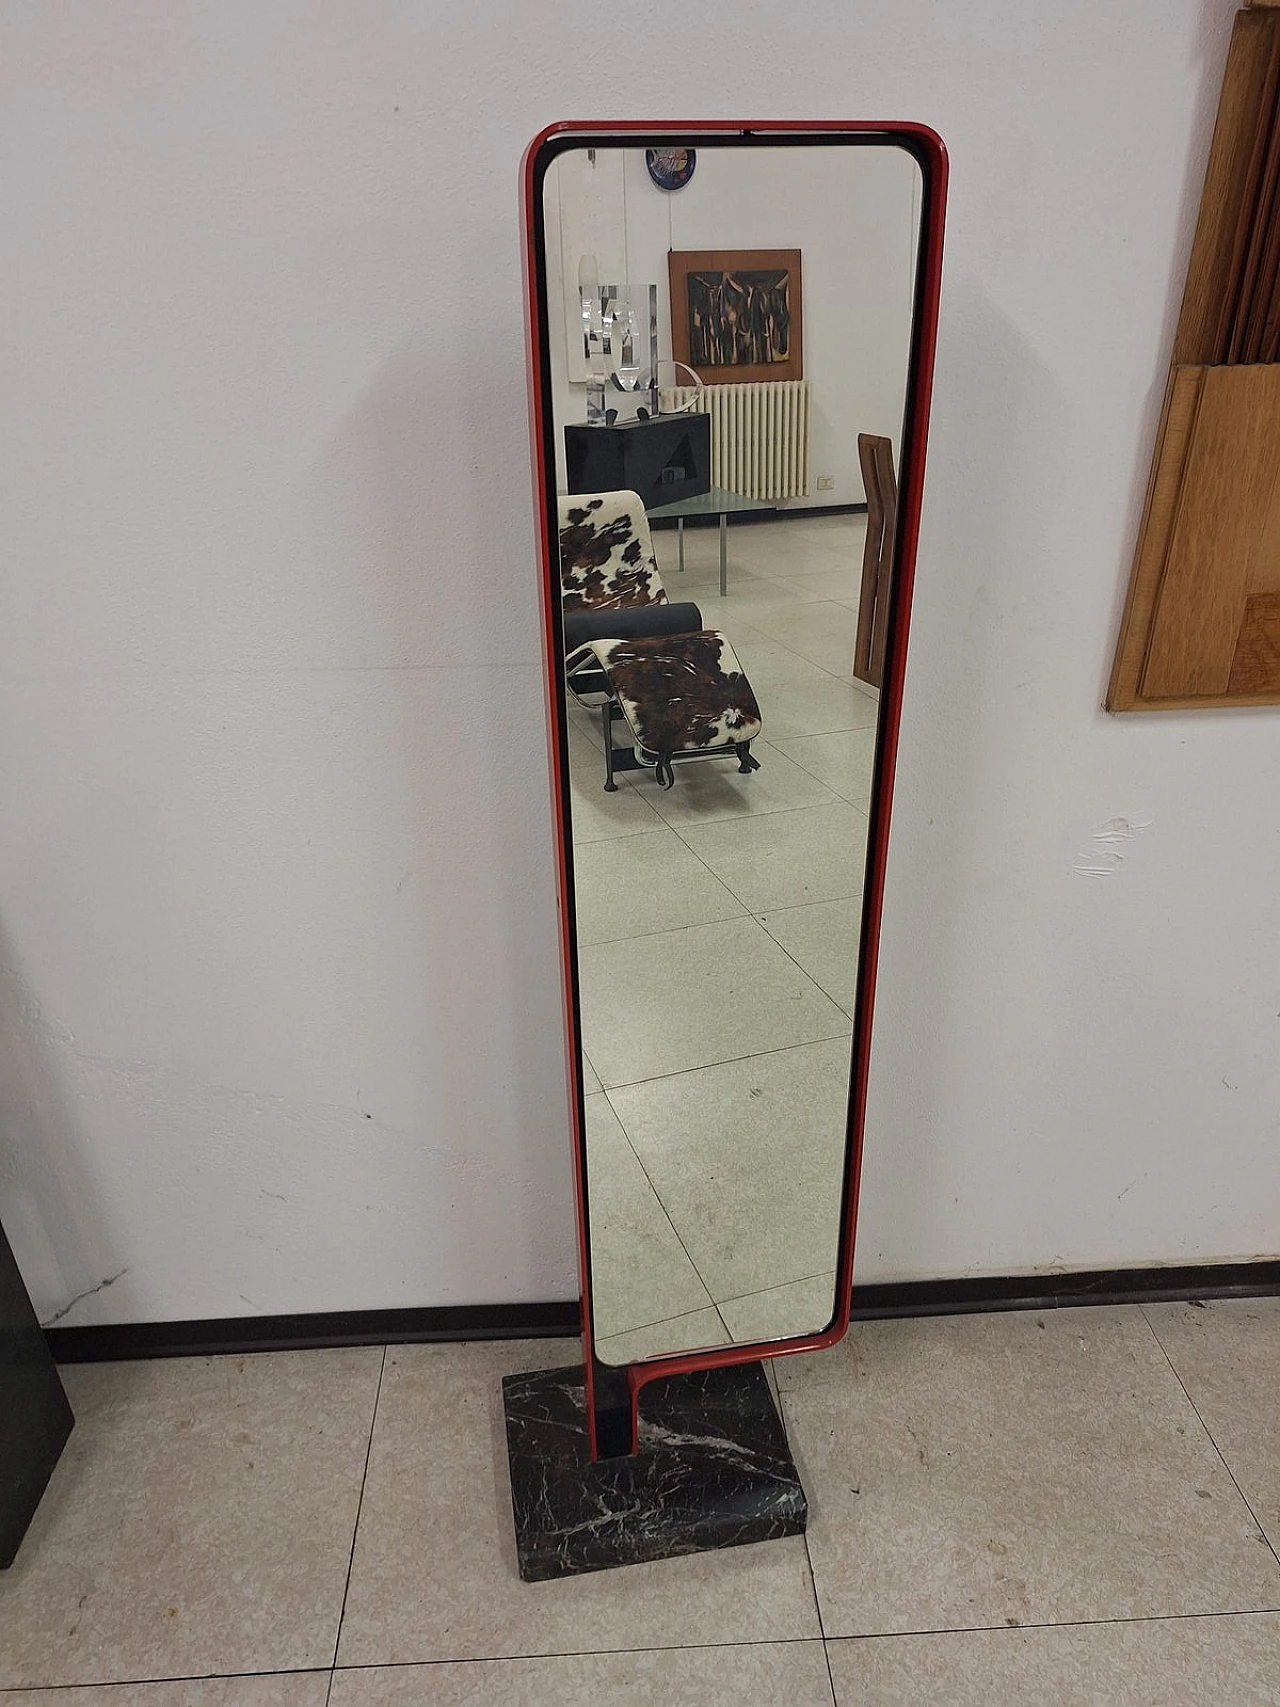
759	434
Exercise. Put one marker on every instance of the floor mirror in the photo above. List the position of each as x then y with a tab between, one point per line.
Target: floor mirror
730	334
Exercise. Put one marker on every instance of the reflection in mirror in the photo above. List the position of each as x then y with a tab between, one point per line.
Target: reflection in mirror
729	364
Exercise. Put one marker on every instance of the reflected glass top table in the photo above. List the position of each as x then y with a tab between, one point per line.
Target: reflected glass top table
715	502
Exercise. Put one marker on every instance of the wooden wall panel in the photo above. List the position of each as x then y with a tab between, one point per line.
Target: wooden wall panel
1224	522
1255	667
1202	618
1182	398
1226	205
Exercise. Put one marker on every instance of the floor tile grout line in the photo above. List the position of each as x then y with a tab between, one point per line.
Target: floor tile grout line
702	1280
1054	1624
753	917
749	815
801	1641
826	1655
845	681
702	1277
802	906
679	1647
780	743
580	1653
668	930
1209	1433
702	924
146	1682
800	1280
715	1304
654	1078
738	1298
841	798
780	1399
747	818
809	975
772	640
749	583
748	912
813	1575
657	1195
660	1323
355	1528
663	930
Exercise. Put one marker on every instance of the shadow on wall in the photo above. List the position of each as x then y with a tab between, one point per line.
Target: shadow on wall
47	1195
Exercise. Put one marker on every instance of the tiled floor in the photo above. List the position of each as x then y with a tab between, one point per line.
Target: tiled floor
1070	1508
727	910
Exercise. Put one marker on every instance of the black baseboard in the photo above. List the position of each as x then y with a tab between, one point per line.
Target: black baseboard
746	518
1198	1282
1194	1283
224	1335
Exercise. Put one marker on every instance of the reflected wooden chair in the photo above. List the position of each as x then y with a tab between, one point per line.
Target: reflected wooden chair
875	456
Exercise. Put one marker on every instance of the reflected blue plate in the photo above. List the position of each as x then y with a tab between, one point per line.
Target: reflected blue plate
671	168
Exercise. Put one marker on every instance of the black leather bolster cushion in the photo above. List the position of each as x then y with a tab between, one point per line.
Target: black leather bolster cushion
583	625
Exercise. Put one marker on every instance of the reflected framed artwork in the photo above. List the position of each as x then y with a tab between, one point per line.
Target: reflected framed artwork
736	316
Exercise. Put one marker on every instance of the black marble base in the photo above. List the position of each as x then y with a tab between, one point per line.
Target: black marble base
713	1470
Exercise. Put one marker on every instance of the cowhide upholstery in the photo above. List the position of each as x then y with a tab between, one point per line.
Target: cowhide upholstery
679	693
606	555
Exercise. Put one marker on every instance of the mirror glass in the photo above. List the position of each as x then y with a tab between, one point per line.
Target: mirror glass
725	524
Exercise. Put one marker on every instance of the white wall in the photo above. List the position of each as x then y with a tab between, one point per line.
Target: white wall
852	212
278	1022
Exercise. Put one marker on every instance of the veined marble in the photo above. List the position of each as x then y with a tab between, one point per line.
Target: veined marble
713	1470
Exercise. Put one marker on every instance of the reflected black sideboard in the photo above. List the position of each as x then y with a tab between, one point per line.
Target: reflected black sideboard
35	1418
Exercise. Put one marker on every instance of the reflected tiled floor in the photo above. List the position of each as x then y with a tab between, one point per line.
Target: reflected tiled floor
720	1141
721	918
1054	1507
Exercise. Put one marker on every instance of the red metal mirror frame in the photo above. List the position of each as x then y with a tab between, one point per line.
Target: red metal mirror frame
927	149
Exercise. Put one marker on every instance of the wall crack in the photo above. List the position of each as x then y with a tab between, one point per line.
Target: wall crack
80	1297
